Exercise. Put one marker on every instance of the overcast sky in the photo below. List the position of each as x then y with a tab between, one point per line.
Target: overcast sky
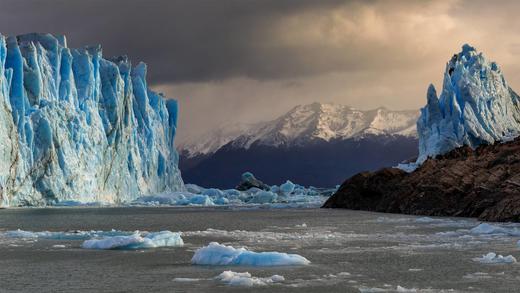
232	61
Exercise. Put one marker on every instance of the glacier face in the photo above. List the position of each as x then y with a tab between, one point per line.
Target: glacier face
476	106
76	126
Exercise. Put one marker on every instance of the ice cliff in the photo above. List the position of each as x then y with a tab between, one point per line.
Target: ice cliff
77	126
476	106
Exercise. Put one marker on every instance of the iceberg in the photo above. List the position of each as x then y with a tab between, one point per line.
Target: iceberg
222	255
493	258
77	127
137	240
245	279
476	106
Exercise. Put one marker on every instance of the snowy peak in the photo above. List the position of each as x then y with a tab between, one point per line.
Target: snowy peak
476	106
306	123
329	122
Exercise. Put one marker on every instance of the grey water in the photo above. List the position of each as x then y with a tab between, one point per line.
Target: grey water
350	251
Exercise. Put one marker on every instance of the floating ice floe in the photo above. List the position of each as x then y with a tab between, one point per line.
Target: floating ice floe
113	239
245	279
186	280
218	254
375	289
137	240
437	222
69	235
489	229
493	258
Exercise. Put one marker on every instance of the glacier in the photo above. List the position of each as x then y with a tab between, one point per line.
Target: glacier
476	106
76	126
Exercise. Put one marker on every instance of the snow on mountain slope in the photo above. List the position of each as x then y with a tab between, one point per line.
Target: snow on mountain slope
307	123
476	106
211	141
76	126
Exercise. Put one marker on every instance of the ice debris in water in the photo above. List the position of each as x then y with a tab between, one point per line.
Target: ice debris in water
493	258
489	229
286	194
375	289
113	239
69	235
245	279
218	254
137	240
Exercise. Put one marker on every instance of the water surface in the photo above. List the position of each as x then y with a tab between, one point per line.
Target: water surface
350	251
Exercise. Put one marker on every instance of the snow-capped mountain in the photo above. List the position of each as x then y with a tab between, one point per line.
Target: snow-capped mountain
476	106
76	126
305	124
315	144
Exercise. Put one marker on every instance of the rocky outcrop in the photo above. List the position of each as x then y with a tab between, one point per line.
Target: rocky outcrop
249	181
483	183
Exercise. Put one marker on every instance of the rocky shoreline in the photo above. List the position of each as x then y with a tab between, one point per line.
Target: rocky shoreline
482	183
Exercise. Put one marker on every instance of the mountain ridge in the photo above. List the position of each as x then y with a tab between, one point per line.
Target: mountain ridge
305	123
315	144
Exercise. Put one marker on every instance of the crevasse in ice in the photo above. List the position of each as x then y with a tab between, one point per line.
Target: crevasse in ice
77	126
476	106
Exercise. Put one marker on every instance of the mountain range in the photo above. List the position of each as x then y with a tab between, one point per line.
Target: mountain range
315	144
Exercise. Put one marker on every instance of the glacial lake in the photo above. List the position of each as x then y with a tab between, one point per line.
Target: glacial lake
350	251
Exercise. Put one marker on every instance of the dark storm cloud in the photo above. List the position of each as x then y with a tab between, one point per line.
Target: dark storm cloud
181	40
235	61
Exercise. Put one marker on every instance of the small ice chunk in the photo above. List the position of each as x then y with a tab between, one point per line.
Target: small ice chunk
493	258
186	279
136	241
371	290
287	187
486	228
425	220
264	197
245	279
218	254
403	289
415	270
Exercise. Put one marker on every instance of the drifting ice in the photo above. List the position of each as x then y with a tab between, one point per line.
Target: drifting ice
218	254
492	258
136	241
72	235
245	279
286	194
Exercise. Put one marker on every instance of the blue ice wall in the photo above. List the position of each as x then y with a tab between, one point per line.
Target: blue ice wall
76	126
476	106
